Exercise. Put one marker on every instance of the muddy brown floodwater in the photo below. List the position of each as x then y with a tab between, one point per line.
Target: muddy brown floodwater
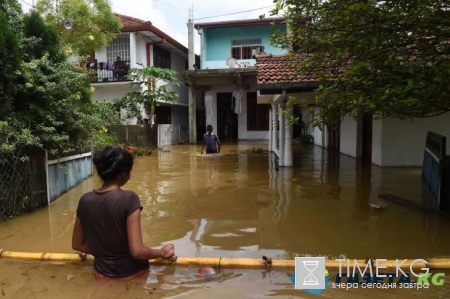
237	204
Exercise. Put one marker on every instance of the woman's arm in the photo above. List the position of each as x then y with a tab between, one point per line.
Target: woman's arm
137	248
78	238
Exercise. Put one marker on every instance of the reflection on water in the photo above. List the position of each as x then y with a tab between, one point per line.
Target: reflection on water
240	204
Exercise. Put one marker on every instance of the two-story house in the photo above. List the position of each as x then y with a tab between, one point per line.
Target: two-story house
227	77
140	44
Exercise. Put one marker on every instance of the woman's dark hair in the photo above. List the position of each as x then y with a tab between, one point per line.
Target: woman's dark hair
112	161
209	128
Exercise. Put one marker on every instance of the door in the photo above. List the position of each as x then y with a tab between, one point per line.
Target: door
227	120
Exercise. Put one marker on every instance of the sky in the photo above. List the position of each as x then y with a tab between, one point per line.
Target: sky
171	16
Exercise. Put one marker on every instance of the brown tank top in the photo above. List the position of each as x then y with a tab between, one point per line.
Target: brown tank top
104	216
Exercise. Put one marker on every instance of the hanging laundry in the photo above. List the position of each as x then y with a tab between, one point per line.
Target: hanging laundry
238	95
210	106
111	64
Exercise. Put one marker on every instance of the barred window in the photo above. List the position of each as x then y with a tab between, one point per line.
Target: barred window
246	41
243	48
257	114
119	47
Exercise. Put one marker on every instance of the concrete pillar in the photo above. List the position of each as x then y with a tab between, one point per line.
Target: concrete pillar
191	50
274	126
133	58
288	132
191	89
192	115
282	132
270	130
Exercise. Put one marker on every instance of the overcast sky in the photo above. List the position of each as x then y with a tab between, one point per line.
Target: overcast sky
171	16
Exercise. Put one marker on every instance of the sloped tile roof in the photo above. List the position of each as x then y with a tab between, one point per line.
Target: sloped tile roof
130	23
275	69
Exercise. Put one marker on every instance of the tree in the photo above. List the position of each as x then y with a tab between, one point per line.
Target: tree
94	24
10	56
386	58
156	83
46	101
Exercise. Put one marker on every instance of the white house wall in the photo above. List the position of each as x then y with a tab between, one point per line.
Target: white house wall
141	52
179	64
403	141
242	118
111	91
348	136
320	136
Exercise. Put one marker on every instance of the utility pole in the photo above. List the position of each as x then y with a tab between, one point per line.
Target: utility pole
191	87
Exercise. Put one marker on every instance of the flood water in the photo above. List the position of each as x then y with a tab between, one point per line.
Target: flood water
237	204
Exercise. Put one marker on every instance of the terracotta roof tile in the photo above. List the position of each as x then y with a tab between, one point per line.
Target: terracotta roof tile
275	69
128	23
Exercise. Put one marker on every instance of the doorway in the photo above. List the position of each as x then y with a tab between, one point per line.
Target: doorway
227	120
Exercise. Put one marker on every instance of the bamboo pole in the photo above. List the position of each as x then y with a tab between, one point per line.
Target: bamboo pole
226	262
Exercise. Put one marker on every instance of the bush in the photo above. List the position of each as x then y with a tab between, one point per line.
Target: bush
307	139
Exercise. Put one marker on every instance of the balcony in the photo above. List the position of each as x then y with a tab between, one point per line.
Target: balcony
104	72
222	64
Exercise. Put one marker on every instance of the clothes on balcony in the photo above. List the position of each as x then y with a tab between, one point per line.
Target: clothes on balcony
111	65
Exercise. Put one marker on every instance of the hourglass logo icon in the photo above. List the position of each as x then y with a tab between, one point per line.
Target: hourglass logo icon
309	273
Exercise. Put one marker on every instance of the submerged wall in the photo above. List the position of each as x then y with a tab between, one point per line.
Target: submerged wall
402	142
66	173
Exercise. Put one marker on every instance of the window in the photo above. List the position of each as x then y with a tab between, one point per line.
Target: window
243	48
161	57
257	114
119	47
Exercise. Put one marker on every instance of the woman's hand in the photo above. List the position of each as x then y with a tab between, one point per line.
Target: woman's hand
168	251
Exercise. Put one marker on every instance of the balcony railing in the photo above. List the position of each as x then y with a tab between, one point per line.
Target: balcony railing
100	72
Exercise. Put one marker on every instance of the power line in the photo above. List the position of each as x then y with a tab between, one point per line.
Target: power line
229	14
28	3
170	4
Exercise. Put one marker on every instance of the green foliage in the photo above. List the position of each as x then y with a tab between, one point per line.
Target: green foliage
40	39
307	139
94	23
156	86
386	58
9	62
50	103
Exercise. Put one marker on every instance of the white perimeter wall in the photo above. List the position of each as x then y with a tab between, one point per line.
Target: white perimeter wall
349	136
320	136
403	141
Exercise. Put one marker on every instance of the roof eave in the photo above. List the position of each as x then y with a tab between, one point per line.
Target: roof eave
290	87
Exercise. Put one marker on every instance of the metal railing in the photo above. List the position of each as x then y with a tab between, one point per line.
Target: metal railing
103	72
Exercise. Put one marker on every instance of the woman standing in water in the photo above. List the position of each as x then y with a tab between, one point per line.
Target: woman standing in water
108	223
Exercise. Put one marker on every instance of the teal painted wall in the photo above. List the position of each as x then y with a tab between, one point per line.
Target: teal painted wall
217	41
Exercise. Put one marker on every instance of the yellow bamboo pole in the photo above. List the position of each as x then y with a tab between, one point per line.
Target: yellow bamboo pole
226	262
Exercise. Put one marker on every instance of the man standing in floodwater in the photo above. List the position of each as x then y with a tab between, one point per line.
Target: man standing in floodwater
210	141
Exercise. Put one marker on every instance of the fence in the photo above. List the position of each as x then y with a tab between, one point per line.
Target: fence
22	183
65	173
150	135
